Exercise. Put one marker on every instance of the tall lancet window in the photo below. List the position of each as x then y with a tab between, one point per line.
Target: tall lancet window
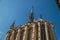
22	35
36	32
49	32
30	33
43	34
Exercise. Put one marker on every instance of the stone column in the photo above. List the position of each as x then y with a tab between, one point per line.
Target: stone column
25	34
18	35
12	35
34	32
46	31
39	31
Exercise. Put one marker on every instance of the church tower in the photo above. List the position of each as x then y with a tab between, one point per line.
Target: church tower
39	29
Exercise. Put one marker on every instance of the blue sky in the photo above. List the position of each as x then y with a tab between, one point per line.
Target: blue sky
19	10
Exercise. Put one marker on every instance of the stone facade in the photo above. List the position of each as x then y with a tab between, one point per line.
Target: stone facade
32	30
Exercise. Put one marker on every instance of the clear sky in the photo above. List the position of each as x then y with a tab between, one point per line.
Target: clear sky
19	10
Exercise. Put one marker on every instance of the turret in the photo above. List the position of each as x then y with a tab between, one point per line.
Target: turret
31	16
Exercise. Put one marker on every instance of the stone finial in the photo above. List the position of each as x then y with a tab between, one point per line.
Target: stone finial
12	26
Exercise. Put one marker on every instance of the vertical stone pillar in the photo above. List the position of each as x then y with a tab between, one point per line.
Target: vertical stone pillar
25	34
39	31
34	32
59	1
7	36
12	35
53	32
18	35
46	31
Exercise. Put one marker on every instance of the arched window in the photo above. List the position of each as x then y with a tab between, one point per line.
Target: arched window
30	33
43	34
22	34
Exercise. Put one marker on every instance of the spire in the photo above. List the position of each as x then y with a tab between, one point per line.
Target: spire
31	17
12	26
32	9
